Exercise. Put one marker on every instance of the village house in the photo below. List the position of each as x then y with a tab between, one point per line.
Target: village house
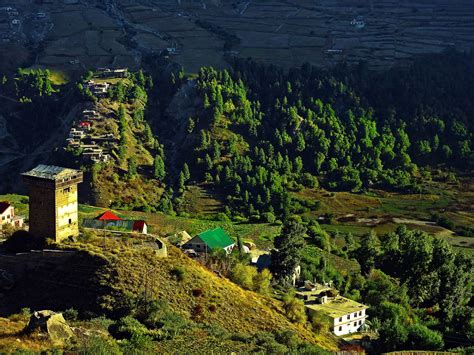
109	220
112	73
99	89
211	240
346	316
91	114
7	216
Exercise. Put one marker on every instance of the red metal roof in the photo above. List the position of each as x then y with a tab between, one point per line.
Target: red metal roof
4	206
108	216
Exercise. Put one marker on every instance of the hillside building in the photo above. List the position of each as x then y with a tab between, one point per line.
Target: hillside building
7	216
108	220
346	316
53	201
211	240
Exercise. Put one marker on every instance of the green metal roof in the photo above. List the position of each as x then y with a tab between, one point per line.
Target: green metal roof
216	238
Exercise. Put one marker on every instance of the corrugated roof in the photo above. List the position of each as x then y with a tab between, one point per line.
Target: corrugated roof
108	216
50	172
216	238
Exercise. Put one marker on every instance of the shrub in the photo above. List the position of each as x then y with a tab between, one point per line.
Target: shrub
70	314
178	273
421	337
223	217
262	282
127	327
269	217
197	292
138	344
197	313
294	309
99	345
243	275
319	322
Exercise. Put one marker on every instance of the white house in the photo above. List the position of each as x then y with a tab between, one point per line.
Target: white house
346	316
7	216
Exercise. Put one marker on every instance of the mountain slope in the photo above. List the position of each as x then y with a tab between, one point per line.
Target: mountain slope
108	280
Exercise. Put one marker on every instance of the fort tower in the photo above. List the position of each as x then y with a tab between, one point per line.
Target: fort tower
53	201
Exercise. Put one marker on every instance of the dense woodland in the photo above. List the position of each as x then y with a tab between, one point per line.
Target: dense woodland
261	132
418	288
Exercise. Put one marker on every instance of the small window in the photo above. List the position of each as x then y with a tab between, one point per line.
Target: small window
70	220
340	328
67	190
340	319
355	324
360	322
348	316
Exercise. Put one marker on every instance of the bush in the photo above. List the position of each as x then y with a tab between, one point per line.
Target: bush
178	273
319	322
262	282
99	345
138	344
197	292
269	217
423	338
243	275
294	309
127	327
163	322
70	314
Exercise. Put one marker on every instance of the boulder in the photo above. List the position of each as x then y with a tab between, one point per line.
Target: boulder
51	323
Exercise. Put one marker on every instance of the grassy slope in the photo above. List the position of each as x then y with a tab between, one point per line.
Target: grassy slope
127	270
237	310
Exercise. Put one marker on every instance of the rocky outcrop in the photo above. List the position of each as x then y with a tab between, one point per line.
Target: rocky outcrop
51	323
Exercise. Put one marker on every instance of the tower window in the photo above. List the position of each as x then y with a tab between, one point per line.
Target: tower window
70	220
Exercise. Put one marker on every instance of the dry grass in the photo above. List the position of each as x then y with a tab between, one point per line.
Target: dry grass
237	310
12	340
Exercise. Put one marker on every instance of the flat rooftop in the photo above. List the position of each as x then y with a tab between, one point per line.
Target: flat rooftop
51	172
337	307
318	289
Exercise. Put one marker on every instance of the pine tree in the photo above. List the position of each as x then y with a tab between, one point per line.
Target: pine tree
186	173
159	168
287	254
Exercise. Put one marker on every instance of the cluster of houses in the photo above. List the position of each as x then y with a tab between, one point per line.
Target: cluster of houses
95	148
92	146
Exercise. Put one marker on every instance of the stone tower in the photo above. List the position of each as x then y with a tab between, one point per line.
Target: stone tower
53	201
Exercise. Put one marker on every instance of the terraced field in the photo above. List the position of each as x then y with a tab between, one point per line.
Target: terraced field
382	33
